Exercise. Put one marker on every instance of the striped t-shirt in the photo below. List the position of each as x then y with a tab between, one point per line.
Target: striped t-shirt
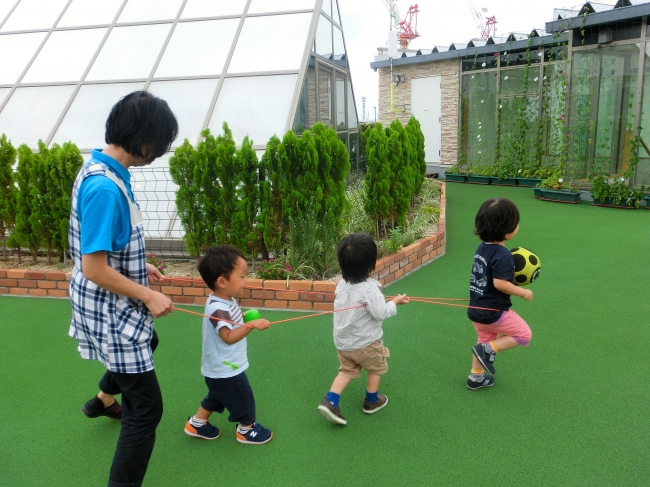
221	360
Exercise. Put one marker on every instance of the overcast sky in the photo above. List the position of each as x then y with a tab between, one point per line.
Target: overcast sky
440	22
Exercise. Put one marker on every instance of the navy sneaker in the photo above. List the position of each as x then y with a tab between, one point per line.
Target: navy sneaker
483	356
207	431
488	381
95	408
256	435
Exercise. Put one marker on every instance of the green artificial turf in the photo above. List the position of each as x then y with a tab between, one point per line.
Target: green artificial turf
570	410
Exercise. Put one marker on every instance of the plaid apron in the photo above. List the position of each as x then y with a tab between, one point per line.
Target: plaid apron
114	329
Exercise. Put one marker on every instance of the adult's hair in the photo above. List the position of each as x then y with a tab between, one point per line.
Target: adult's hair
357	254
218	261
142	124
496	218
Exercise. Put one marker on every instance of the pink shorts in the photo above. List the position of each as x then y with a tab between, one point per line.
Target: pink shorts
510	324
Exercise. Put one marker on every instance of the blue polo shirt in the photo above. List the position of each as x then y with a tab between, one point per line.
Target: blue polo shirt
103	209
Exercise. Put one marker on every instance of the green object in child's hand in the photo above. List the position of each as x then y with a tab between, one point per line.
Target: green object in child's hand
234	366
251	314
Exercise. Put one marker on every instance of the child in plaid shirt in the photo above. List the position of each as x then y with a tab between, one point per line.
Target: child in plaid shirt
357	331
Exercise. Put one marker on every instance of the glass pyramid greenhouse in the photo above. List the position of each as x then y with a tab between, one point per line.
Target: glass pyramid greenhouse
263	66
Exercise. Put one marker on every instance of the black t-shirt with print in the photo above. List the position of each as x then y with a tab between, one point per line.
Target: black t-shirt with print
491	261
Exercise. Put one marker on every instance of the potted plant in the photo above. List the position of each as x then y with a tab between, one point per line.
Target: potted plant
506	174
646	198
481	174
615	192
532	176
556	188
455	173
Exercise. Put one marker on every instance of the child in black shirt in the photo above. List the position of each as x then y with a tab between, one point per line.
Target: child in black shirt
491	285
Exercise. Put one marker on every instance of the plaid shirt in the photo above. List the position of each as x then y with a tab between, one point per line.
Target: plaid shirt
355	329
116	330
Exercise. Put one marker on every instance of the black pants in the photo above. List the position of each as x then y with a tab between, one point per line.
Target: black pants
142	409
234	394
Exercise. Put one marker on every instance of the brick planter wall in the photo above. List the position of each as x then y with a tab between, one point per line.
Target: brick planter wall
316	295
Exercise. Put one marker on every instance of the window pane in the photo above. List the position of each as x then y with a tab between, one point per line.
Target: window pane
142	10
265	101
190	101
210	8
352	112
65	56
31	113
16	51
34	14
260	6
479	108
3	94
272	43
324	38
335	13
90	12
118	59
327	7
339	48
84	124
325	97
306	112
340	102
520	81
198	48
5	6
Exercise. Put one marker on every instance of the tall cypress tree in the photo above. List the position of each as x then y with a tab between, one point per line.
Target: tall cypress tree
7	191
245	231
419	161
399	173
41	219
274	224
377	183
23	235
184	168
210	191
229	177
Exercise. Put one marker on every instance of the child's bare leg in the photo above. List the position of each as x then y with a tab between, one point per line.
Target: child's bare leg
373	383
106	399
203	414
476	365
504	343
339	384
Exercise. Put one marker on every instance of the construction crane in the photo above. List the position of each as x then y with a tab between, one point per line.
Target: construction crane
487	26
408	27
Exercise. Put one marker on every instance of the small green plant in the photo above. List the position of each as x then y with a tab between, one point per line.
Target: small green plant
616	189
487	170
394	243
274	269
456	169
158	263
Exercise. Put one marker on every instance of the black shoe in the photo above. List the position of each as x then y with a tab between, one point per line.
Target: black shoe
483	356
95	408
331	412
487	381
373	407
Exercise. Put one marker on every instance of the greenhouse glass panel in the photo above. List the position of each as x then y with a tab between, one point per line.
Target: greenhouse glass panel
643	168
4	92
327	7
478	109
339	46
146	10
521	58
603	88
324	38
187	99
209	8
258	106
263	6
85	122
340	102
271	43
554	98
352	111
65	56
5	7
306	112
34	14
117	59
30	113
325	97
90	12
477	63
335	13
520	131
520	81
198	48
17	50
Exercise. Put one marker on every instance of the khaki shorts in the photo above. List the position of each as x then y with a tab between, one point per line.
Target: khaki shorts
372	358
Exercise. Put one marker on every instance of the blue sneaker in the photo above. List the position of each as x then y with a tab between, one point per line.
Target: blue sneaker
486	358
256	435
207	431
488	381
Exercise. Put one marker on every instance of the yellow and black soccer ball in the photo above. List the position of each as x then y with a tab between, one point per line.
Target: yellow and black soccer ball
527	266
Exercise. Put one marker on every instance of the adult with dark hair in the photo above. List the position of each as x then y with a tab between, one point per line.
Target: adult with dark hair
491	285
112	306
357	326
